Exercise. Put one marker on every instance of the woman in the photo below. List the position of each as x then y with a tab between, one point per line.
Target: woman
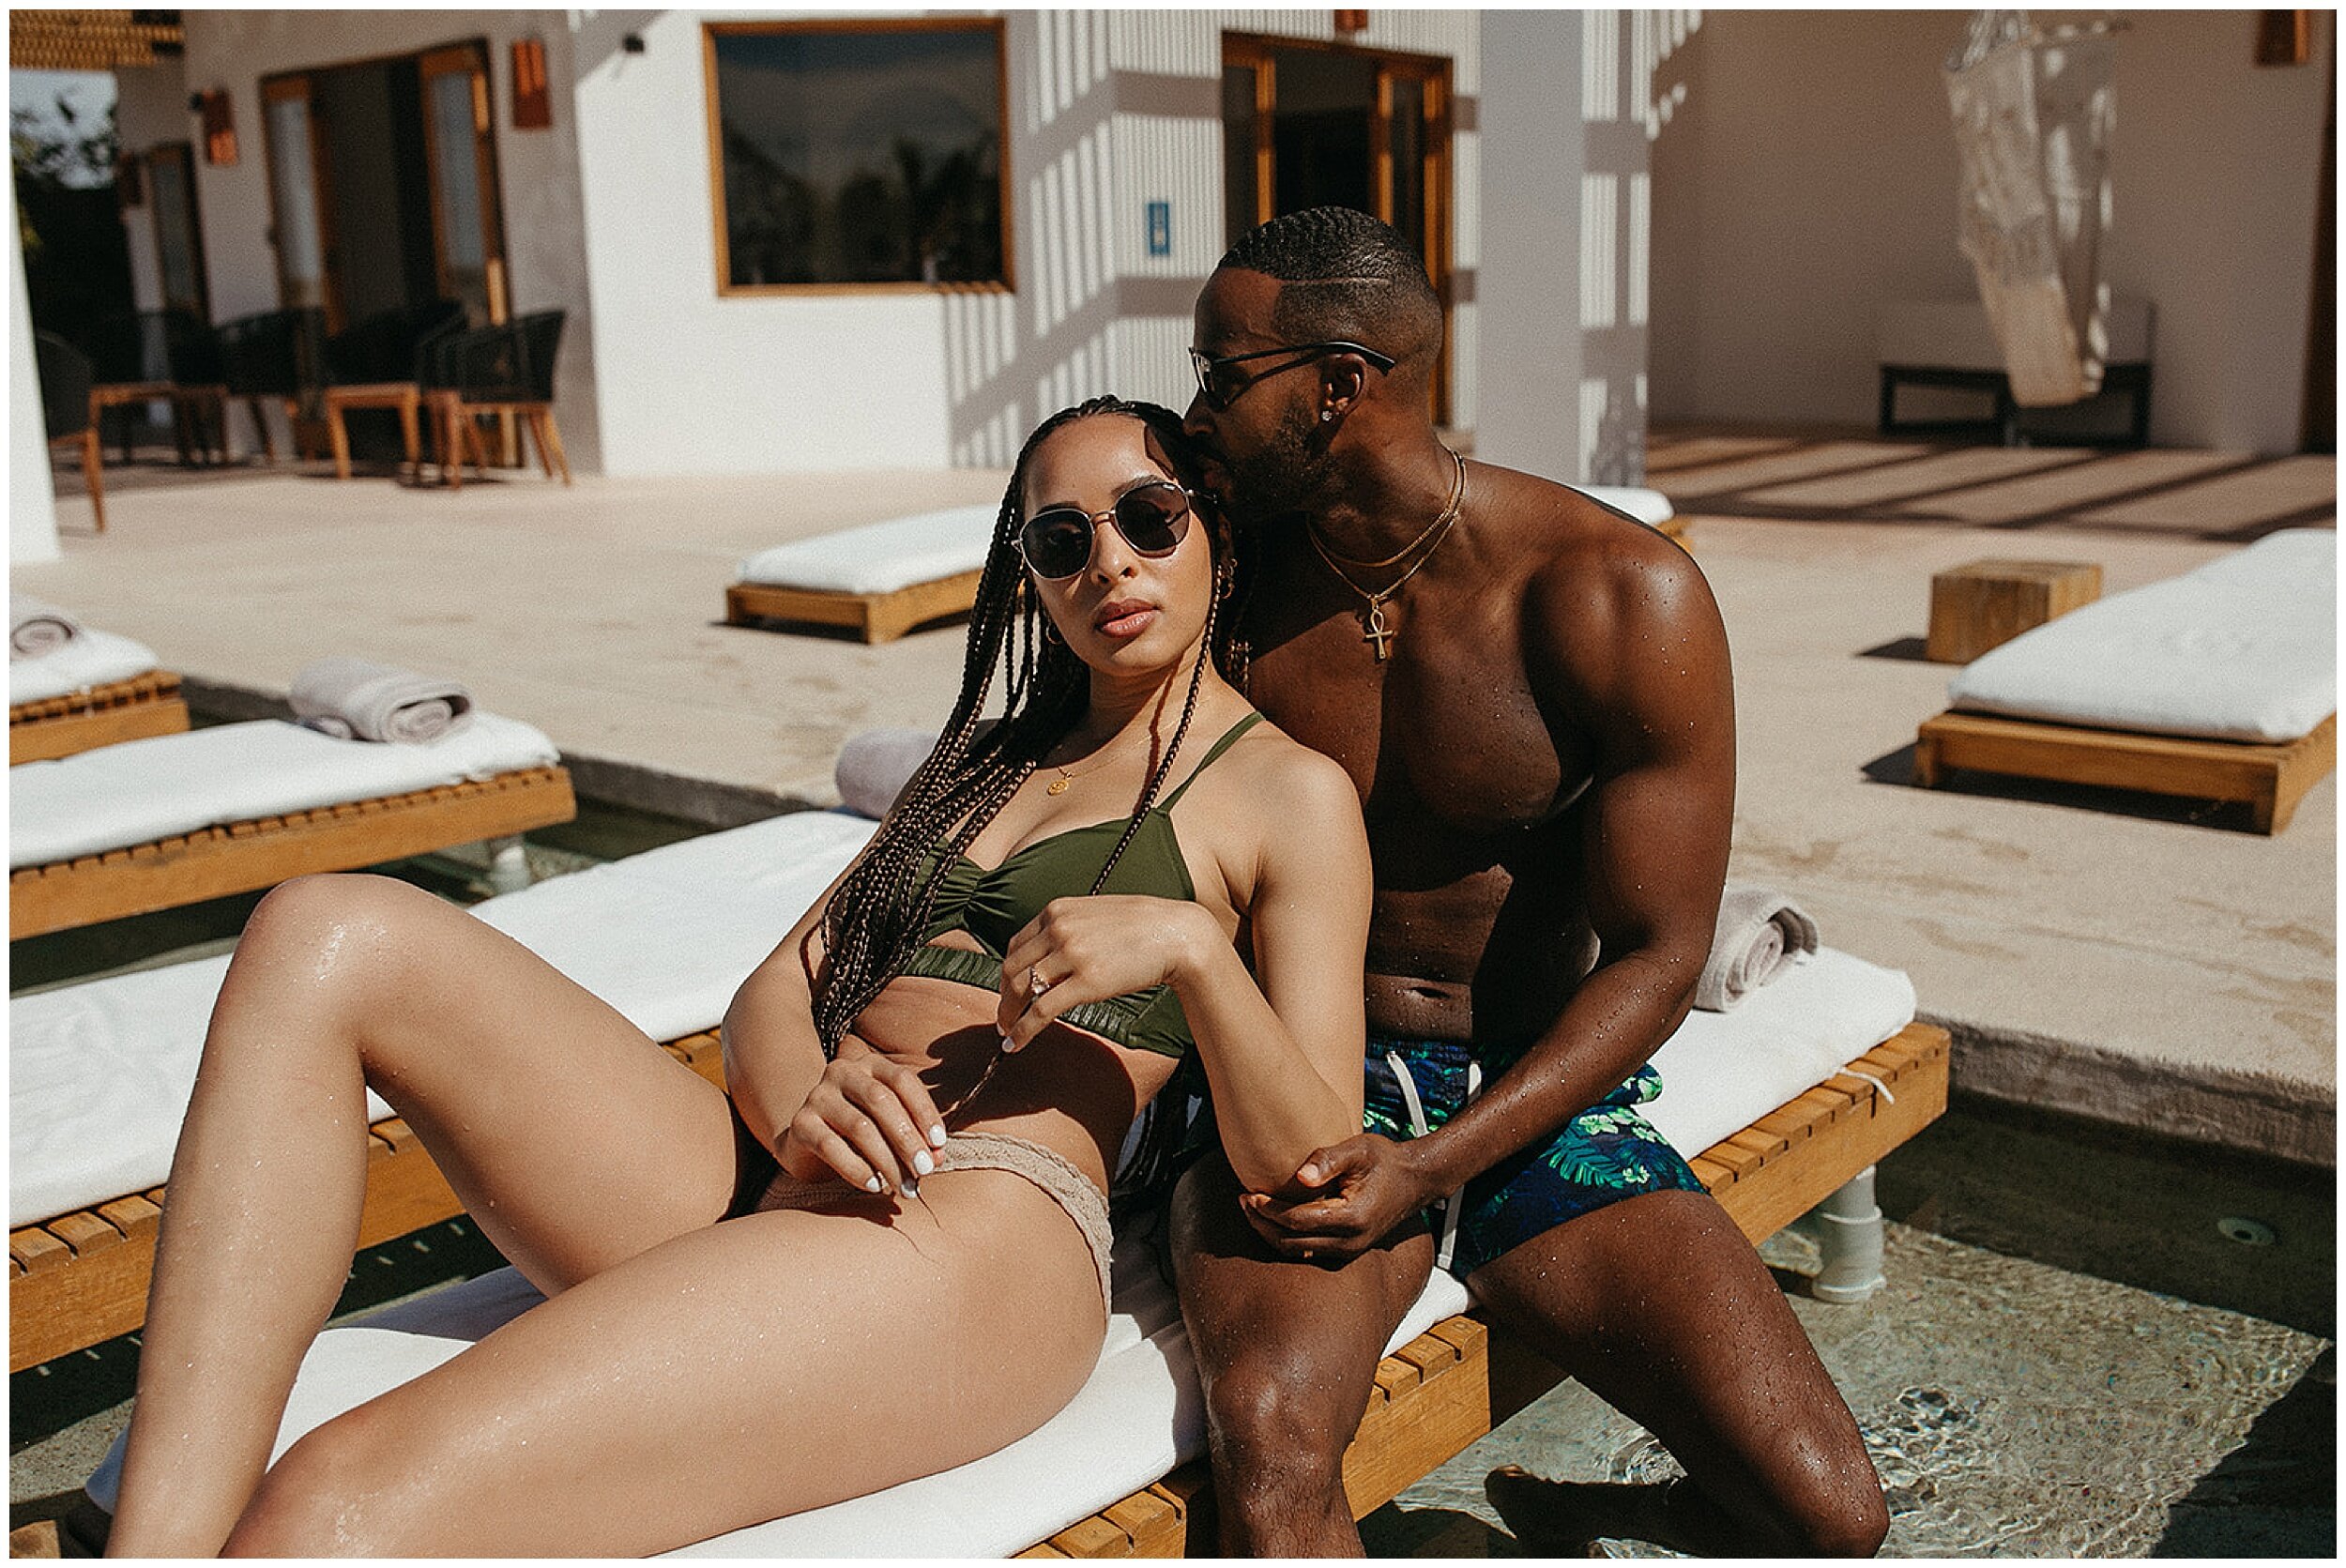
884	1254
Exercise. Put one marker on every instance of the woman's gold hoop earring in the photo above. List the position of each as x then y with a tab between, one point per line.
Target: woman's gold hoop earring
1050	631
1224	581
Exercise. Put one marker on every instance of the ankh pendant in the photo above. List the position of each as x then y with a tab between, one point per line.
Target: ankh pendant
1374	632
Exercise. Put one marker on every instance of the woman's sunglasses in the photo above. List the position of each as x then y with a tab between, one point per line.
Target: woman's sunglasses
1153	518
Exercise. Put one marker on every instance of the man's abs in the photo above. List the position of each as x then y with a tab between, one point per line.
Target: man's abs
1489	958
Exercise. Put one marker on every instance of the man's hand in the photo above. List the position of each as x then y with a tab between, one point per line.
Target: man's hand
1361	1189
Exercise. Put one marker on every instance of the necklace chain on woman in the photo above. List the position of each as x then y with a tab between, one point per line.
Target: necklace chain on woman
1373	630
1068	775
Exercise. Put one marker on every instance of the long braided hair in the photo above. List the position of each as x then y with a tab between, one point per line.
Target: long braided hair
883	907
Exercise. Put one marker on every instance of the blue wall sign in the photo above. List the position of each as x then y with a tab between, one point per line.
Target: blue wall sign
1160	228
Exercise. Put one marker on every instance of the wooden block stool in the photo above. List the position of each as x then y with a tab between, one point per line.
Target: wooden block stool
1981	604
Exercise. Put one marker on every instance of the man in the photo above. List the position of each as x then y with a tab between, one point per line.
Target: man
1533	694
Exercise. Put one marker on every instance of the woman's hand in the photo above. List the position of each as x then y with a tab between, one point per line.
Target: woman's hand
1087	949
868	1119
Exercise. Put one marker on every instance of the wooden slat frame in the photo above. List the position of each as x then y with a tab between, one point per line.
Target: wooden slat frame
876	617
131	709
1463	1377
242	856
80	1278
2271	778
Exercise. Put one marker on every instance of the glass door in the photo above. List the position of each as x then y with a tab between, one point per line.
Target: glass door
1308	124
296	177
178	239
462	154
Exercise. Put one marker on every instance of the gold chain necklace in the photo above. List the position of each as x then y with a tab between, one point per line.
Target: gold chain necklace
1403	554
1068	775
1373	630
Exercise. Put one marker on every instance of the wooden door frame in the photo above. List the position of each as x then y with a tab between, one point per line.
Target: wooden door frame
1259	52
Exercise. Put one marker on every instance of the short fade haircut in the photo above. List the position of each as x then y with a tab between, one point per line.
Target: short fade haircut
1346	276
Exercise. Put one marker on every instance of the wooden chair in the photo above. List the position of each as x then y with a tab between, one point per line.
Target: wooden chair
378	365
169	355
505	370
275	357
65	400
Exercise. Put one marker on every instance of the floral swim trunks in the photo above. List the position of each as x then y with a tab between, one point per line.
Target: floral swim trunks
1606	1153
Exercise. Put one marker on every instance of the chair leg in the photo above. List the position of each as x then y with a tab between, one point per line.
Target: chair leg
508	864
552	438
451	446
260	430
93	467
407	433
337	434
1850	1242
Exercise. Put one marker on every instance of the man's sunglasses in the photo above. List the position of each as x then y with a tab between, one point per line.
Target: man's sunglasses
1220	384
1153	518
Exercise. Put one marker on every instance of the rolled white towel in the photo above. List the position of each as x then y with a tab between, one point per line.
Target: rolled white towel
356	699
875	766
36	629
1760	935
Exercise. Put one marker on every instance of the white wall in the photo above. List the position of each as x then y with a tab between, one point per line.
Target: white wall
1107	112
538	170
1810	177
32	499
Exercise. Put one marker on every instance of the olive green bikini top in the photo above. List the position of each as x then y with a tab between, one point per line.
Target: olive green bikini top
994	904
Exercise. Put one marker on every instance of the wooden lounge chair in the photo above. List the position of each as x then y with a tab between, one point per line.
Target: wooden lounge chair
131	710
2220	685
1434	1394
879	580
235	852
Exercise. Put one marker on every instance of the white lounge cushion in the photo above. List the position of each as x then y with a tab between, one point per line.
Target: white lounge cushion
113	797
99	1074
881	558
89	657
1648	507
2243	649
1140	1413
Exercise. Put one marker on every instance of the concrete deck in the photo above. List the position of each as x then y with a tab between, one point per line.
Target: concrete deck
2144	963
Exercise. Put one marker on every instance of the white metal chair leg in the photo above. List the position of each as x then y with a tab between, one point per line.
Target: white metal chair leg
509	866
1849	1237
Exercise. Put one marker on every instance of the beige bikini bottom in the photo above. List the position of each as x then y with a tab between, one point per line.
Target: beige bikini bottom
1066	1186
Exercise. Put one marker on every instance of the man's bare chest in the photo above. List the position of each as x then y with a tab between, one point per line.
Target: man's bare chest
1445	733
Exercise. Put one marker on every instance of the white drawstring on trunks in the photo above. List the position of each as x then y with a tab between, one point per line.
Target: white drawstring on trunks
1453	1206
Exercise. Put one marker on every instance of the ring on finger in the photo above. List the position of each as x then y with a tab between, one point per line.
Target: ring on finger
1036	984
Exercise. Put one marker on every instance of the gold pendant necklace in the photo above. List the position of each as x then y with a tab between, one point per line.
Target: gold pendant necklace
1068	775
1373	630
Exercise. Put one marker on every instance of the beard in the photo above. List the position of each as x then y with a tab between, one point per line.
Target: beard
1288	474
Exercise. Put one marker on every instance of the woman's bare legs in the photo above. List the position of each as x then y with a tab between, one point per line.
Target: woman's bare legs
740	1372
574	1142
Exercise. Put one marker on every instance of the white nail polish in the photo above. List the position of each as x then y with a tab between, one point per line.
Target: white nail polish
911	1188
873	1185
937	1136
1008	1046
923	1164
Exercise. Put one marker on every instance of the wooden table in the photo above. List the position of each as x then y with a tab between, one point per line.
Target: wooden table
1981	604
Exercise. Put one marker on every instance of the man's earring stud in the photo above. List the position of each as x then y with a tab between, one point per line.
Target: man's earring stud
1326	415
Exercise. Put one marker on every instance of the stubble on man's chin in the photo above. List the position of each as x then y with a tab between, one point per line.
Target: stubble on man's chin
1281	482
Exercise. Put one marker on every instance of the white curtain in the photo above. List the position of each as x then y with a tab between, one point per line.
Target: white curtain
2032	119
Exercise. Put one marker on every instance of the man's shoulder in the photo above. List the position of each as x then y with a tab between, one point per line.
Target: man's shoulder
1572	543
